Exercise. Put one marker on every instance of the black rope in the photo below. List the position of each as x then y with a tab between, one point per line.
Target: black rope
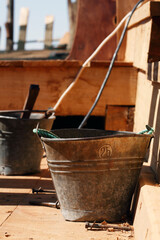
110	67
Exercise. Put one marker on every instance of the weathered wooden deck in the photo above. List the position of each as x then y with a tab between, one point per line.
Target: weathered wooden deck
20	220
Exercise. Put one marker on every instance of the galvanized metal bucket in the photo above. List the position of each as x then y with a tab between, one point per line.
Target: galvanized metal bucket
95	172
20	149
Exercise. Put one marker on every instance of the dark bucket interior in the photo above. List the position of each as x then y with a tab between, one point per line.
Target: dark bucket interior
87	133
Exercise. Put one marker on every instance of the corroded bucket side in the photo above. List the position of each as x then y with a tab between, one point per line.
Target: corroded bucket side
95	172
20	149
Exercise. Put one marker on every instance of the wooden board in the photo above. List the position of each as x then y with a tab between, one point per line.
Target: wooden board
148	112
147	11
143	48
32	54
49	22
119	118
120	90
122	8
24	14
138	43
53	77
95	21
143	42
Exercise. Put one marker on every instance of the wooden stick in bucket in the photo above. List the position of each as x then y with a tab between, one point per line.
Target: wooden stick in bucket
30	100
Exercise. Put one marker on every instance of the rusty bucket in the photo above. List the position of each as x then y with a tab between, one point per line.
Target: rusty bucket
95	172
20	149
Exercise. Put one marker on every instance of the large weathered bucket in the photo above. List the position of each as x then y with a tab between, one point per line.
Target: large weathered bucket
20	149
95	172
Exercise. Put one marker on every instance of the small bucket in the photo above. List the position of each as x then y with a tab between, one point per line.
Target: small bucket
20	149
95	172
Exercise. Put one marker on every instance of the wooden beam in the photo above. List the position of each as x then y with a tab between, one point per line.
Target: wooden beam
143	41
95	21
24	14
146	11
119	118
138	42
0	34
72	12
54	77
49	20
9	25
122	8
147	111
31	54
143	13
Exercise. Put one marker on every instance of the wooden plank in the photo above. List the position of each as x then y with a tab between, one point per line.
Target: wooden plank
138	38
143	48
59	63
93	28
148	10
148	112
143	43
47	63
138	44
123	7
49	21
119	118
120	90
13	191
54	77
31	54
24	14
30	100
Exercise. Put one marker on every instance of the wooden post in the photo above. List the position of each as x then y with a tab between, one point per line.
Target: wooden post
24	14
9	25
0	34
48	31
72	12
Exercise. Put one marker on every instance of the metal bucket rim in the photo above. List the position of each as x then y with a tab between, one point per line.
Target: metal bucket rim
26	119
7	117
122	134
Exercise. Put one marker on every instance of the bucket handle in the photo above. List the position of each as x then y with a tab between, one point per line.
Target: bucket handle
148	130
42	143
